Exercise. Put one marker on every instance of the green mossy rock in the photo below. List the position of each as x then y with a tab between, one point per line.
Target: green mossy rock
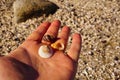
25	9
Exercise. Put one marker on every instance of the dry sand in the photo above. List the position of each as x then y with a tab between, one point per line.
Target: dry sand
98	21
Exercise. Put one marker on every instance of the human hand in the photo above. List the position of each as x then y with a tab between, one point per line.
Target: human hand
25	63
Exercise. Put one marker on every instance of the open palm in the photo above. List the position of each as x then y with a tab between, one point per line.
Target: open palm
28	65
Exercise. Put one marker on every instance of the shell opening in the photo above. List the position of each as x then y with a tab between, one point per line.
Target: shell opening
58	46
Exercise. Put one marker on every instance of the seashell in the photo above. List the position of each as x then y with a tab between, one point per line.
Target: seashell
49	38
45	51
58	45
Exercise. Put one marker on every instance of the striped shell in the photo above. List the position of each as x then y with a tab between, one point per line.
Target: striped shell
49	38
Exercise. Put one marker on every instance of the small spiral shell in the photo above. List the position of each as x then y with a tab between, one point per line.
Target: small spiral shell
49	38
45	51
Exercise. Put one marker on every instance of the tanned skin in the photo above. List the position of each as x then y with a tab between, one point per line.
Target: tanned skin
24	63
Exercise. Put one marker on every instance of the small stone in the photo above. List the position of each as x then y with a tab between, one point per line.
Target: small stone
104	41
0	47
116	58
25	9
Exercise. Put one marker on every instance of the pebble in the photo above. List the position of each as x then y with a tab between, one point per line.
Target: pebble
25	9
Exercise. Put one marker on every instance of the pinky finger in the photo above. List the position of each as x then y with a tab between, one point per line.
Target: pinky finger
75	48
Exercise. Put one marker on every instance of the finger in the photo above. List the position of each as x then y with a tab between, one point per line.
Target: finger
64	34
39	32
53	30
60	44
75	48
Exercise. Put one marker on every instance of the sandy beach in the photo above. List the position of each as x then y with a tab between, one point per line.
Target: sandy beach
98	22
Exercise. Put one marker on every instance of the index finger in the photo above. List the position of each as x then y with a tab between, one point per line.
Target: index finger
39	32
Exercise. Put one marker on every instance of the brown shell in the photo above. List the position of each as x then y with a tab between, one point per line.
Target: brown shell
49	38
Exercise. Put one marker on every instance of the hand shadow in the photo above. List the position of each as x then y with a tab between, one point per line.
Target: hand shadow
28	72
